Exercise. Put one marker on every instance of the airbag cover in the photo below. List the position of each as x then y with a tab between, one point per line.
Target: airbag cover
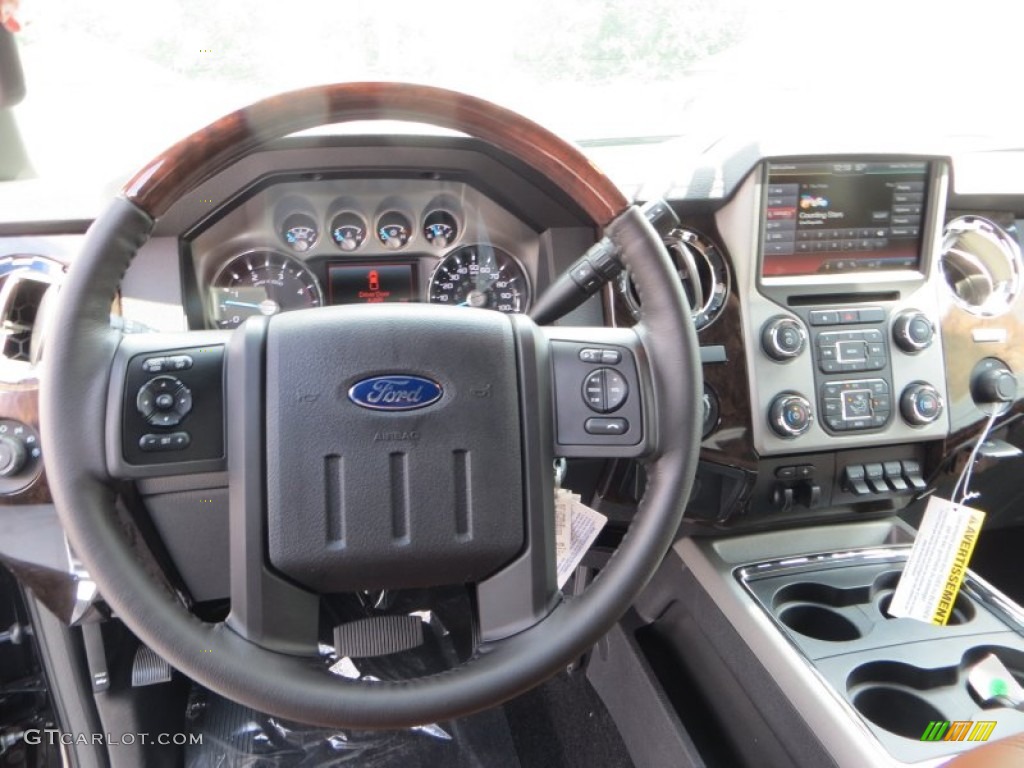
393	446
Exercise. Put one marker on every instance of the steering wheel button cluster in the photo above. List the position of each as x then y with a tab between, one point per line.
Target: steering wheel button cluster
604	391
164	401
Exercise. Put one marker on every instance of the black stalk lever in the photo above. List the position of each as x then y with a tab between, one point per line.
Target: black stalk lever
591	271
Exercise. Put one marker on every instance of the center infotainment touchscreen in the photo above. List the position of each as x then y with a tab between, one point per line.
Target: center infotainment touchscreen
827	217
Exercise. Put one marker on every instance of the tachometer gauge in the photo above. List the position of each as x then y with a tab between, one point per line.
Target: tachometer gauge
299	231
261	283
480	276
348	230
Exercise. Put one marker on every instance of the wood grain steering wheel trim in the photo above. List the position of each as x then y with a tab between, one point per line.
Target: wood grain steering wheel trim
208	151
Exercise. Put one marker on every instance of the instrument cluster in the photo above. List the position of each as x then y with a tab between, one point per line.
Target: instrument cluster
298	245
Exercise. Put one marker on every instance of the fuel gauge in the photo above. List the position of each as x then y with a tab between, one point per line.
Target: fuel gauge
394	229
440	228
299	231
348	230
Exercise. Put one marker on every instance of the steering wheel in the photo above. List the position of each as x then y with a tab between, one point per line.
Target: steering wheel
466	497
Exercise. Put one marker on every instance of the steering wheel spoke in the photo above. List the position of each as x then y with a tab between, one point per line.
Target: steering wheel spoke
602	393
165	405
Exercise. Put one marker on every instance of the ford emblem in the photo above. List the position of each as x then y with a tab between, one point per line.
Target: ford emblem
395	393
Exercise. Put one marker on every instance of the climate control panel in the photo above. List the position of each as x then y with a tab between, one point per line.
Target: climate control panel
824	374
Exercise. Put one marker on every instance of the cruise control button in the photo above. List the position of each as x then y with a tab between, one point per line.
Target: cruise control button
179	363
153	364
598	426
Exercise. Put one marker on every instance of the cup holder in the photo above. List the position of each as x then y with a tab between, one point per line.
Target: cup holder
819	610
819	622
891	694
896	710
963	610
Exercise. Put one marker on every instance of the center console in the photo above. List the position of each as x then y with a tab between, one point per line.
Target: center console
820	660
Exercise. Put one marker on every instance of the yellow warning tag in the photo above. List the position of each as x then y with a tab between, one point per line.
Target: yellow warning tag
938	562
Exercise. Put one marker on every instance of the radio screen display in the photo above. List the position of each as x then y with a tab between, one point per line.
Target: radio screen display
823	218
370	283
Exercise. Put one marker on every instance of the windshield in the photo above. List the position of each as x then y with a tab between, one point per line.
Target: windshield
111	83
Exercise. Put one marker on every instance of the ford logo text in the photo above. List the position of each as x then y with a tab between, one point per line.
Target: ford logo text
395	393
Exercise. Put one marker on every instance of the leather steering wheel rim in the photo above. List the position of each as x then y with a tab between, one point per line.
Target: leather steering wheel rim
77	371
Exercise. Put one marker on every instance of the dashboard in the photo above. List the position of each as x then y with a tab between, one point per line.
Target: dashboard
859	318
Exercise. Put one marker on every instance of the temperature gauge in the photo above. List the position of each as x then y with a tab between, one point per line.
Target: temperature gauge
440	228
394	230
348	231
299	231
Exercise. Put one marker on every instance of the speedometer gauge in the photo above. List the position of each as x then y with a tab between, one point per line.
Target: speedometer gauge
261	283
480	276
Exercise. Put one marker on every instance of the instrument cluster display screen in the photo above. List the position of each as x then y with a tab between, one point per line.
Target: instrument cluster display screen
831	217
371	283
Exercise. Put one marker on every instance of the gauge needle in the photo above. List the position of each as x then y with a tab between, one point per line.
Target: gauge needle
246	304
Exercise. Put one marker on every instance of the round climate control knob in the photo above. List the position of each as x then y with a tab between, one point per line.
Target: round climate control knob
783	338
920	404
913	331
790	415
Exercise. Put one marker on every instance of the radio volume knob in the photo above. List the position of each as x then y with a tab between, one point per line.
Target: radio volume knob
783	338
913	331
790	415
920	404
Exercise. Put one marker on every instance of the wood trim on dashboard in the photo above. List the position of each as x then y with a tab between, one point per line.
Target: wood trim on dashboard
211	149
20	401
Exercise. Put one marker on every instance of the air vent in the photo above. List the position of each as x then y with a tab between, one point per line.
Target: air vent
981	263
24	281
702	271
